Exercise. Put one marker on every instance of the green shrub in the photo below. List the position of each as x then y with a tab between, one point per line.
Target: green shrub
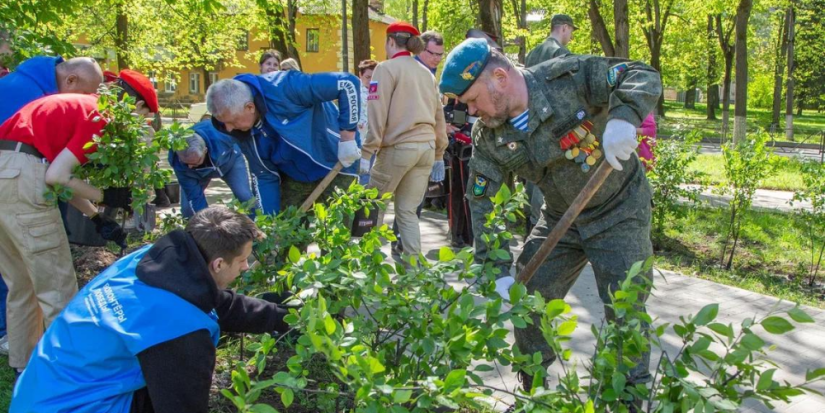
670	174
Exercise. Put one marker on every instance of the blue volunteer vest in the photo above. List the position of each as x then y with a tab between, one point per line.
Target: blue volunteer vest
87	360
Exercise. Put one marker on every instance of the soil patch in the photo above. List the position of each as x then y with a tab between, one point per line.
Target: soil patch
90	261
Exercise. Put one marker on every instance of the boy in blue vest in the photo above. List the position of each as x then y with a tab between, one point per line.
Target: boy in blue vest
141	336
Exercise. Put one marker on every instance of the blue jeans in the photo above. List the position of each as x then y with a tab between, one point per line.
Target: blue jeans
4	292
236	178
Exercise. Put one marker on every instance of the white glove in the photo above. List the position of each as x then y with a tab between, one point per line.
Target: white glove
619	142
348	153
437	175
365	167
503	285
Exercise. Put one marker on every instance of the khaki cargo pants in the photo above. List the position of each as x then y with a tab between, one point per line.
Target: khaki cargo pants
404	170
34	254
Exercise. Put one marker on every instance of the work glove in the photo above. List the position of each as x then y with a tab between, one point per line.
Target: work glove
348	153
619	142
117	197
110	230
503	285
365	167
437	175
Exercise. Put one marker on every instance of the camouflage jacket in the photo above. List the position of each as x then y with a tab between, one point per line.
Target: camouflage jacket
547	50
564	95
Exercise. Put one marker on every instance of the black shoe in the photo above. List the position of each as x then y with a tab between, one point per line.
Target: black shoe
161	198
397	247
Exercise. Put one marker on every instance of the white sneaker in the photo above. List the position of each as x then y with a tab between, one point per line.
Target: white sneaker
4	345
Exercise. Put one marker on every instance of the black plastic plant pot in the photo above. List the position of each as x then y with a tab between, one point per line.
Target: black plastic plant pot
81	230
173	192
361	223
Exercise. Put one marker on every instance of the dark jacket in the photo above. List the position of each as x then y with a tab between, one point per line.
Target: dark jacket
178	372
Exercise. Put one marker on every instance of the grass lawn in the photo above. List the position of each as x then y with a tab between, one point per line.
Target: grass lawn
810	123
6	383
771	257
786	177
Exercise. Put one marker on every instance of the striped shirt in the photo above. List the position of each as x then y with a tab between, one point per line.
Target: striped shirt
520	121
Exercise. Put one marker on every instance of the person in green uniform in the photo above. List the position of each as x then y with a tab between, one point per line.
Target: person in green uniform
561	32
553	124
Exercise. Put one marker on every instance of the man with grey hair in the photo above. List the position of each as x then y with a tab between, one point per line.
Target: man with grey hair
209	154
47	75
289	130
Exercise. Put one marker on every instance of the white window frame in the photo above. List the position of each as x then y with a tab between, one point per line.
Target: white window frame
195	83
213	78
170	85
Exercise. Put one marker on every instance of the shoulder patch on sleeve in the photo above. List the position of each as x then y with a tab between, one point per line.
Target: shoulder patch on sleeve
614	72
480	185
373	90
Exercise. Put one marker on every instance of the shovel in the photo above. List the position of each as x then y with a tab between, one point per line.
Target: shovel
321	187
564	223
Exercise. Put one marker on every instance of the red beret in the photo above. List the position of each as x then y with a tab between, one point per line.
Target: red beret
403	27
109	77
143	86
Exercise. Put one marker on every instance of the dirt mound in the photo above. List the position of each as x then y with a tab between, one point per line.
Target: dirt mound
90	261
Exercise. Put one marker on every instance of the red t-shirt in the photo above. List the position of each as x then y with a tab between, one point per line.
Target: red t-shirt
54	123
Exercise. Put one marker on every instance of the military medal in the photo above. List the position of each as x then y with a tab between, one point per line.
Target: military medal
512	146
581	146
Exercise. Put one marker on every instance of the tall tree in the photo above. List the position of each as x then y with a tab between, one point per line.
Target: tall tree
424	11
122	35
657	13
621	28
790	85
600	31
415	13
724	36
490	17
360	30
780	53
712	77
743	13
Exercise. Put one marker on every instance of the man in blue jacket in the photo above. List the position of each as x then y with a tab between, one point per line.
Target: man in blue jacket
46	75
289	131
141	336
209	154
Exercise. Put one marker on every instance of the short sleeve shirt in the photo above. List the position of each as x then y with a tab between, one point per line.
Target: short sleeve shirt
56	122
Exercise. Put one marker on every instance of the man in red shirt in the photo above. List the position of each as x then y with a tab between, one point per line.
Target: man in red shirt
41	145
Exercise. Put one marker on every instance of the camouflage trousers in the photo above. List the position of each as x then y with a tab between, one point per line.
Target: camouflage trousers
295	192
611	253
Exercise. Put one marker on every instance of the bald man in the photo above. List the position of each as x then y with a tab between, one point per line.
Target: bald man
47	75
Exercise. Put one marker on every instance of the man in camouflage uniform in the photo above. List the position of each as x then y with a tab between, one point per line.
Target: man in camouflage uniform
553	125
561	32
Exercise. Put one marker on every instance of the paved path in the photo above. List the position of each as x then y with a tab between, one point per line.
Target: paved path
763	199
675	295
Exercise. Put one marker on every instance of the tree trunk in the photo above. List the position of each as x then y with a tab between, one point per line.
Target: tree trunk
600	32
424	15
415	13
489	15
789	93
743	13
622	29
727	53
779	67
292	12
206	83
690	95
122	37
656	63
361	31
520	10
712	87
277	26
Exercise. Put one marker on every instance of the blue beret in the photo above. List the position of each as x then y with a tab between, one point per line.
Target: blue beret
464	65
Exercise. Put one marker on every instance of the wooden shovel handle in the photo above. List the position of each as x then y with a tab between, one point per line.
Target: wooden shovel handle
321	187
565	222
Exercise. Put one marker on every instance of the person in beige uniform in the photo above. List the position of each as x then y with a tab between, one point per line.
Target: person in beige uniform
406	130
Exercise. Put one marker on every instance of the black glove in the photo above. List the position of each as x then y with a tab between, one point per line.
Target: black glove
110	230
117	197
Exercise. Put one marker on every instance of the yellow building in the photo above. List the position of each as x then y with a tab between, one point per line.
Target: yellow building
319	45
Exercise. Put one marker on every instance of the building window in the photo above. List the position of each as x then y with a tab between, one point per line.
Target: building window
170	85
194	83
312	40
153	77
213	78
243	41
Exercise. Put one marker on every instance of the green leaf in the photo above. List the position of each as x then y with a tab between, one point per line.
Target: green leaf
329	324
752	342
776	325
263	408
765	380
721	329
402	396
454	380
294	254
484	368
814	374
800	316
287	397
445	254
619	382
706	314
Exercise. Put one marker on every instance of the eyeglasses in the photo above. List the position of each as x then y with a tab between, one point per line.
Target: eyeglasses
439	55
